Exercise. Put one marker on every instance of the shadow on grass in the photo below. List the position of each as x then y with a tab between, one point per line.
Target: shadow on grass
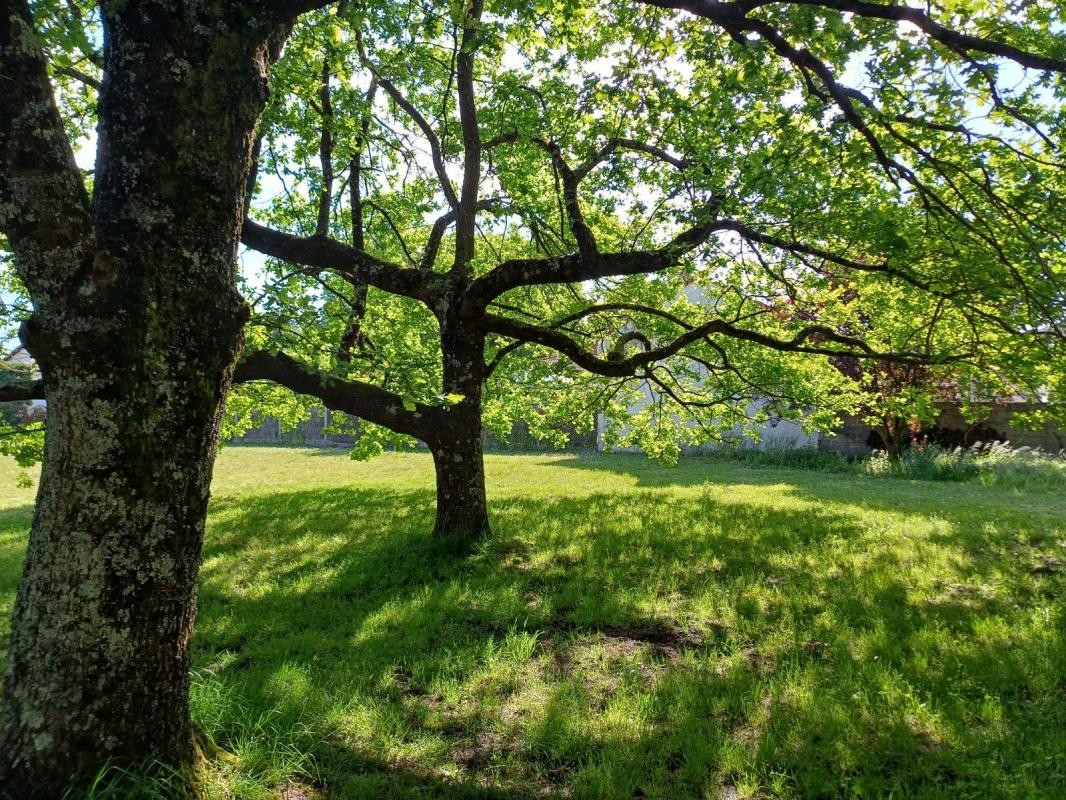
624	645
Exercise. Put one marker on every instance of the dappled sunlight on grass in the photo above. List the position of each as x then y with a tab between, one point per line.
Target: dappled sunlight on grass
629	630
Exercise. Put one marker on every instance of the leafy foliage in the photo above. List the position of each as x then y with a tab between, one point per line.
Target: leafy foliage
871	193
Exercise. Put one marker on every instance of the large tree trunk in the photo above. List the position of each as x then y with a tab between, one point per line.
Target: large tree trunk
136	344
99	652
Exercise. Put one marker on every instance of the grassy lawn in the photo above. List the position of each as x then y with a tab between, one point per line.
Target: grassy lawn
711	630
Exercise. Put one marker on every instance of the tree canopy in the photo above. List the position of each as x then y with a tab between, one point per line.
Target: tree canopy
633	204
658	211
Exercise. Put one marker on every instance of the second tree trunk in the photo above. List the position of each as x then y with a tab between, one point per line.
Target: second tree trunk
462	512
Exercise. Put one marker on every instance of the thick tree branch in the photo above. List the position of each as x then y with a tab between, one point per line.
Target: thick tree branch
616	366
441	225
288	10
78	75
729	14
321	252
21	390
325	149
353	336
359	399
582	267
466	212
44	208
949	37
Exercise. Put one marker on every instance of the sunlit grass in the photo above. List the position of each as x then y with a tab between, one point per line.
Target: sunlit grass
630	630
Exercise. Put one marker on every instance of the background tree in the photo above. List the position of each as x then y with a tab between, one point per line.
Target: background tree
574	208
135	325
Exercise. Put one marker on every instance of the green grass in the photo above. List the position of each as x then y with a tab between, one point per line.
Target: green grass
711	630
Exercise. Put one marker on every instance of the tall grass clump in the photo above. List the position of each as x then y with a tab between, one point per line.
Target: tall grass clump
993	464
925	463
152	781
256	748
1019	468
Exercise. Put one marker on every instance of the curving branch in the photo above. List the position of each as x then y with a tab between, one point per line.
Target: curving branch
592	266
618	367
423	124
615	143
734	18
732	14
323	253
363	400
949	37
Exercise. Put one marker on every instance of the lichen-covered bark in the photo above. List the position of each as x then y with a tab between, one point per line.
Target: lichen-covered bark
136	345
98	658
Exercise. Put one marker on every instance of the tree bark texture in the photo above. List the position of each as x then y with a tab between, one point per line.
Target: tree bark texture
136	329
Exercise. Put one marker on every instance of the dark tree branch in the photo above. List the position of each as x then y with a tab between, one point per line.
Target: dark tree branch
78	75
353	337
577	267
21	390
466	212
436	151
616	143
730	14
571	179
325	149
44	208
286	10
359	399
440	226
948	37
394	228
321	252
628	366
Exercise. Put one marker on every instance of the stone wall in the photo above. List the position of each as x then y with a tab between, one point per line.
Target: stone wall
309	433
855	438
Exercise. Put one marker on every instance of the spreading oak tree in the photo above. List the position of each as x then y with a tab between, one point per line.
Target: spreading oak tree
481	213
